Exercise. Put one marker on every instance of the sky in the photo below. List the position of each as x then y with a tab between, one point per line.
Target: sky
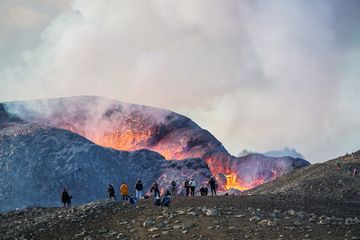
259	75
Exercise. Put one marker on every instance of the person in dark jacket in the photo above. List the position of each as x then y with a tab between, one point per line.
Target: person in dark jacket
111	191
155	189
66	198
187	187
138	189
212	184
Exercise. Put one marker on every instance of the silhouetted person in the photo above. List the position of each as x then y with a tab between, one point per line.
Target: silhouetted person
155	189
204	191
111	191
187	187
212	184
139	188
66	198
124	190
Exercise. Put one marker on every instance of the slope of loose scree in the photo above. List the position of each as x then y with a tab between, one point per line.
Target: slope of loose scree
322	179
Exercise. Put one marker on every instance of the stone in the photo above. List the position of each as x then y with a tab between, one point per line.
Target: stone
153	229
180	212
103	230
148	223
297	223
212	212
187	225
255	219
80	234
239	216
120	235
291	212
264	222
176	226
273	223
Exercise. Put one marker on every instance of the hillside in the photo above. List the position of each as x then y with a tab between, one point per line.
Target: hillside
321	179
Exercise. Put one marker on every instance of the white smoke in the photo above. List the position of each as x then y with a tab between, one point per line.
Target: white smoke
258	74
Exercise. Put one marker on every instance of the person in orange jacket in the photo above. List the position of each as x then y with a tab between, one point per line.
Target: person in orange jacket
124	191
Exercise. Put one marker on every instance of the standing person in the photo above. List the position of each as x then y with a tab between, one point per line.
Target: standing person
139	188
187	187
212	184
350	170
155	189
173	188
111	191
66	198
124	190
338	164
355	172
192	184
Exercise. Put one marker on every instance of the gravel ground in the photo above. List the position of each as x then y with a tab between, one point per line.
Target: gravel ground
220	217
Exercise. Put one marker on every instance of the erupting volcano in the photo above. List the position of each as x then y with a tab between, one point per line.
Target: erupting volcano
129	127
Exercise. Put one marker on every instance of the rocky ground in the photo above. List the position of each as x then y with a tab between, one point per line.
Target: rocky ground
222	217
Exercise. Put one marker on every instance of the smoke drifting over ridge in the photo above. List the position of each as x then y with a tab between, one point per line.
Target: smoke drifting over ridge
259	75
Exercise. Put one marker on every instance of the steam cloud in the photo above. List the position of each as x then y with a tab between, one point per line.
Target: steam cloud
259	75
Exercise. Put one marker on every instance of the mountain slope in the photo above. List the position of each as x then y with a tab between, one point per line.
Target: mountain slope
322	179
132	127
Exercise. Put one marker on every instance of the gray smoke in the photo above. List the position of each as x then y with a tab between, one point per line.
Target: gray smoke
258	74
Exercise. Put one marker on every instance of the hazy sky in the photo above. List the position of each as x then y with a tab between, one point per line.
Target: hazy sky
259	75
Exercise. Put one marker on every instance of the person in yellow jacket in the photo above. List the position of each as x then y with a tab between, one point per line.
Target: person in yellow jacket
124	191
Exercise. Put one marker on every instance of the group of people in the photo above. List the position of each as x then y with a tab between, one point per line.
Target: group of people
189	186
204	190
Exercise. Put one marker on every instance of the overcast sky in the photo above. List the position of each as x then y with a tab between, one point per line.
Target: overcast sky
259	75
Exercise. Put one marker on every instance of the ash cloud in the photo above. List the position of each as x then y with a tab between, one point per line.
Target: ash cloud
258	74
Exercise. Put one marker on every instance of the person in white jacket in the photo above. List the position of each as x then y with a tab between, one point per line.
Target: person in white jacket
192	184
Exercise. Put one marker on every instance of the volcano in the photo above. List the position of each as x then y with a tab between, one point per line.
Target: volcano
130	127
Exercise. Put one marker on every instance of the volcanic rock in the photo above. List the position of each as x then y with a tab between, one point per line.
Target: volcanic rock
131	127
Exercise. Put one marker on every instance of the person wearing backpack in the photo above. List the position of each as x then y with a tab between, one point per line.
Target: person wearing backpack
192	184
138	189
212	184
111	191
187	187
173	188
124	190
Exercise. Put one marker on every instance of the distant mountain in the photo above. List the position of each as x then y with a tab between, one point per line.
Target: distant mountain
286	152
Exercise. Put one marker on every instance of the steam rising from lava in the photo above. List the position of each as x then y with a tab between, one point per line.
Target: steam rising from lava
132	127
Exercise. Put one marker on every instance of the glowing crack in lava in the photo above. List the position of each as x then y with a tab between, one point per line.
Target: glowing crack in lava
131	127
